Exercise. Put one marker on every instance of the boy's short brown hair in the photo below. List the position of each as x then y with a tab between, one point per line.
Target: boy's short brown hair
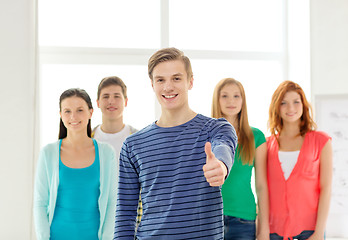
169	54
113	80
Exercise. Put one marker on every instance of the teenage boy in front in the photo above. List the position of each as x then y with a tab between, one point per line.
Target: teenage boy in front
178	162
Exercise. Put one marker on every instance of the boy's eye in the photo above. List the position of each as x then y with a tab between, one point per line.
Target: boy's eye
67	111
177	78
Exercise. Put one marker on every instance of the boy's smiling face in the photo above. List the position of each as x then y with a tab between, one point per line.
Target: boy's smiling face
171	84
112	102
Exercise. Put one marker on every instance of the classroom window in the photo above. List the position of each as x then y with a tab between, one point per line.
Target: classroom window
248	25
81	42
102	23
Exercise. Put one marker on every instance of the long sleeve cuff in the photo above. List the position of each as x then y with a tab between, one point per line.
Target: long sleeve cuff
224	154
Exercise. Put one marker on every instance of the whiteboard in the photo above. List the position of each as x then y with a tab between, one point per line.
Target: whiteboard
332	118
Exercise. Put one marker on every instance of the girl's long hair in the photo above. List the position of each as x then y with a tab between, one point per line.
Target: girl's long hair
275	122
246	143
74	92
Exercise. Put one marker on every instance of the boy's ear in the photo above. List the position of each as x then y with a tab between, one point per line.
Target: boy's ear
190	83
98	103
151	83
125	102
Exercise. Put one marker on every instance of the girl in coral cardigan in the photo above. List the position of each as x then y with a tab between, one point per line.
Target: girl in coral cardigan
299	167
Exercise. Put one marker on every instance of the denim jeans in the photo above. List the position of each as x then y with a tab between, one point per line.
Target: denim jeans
302	236
239	229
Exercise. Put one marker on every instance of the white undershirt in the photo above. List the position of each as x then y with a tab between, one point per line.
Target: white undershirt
115	139
288	161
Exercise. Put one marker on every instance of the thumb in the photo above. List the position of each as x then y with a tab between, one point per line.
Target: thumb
208	152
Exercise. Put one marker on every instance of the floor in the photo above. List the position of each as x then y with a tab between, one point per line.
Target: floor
336	238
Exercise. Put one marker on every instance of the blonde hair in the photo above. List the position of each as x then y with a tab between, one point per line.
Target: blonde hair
246	143
169	54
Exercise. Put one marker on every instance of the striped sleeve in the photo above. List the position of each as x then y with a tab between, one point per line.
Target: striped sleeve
128	196
167	165
224	141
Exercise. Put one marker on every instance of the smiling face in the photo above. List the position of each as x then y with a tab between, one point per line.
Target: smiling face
112	102
75	114
171	84
230	100
291	107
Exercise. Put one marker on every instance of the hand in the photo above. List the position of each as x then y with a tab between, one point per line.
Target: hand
214	170
316	236
262	236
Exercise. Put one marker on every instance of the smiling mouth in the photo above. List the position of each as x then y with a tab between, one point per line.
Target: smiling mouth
75	123
170	96
111	108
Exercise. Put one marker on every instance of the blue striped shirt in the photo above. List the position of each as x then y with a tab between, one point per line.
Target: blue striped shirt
166	164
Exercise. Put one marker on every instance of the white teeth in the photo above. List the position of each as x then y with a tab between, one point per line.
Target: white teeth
74	123
169	96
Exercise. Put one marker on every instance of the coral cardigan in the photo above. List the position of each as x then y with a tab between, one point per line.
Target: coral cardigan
294	202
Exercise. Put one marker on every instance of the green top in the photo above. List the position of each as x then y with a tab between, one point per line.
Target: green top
238	198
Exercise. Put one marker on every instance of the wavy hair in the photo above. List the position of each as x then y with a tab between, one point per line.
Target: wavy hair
275	122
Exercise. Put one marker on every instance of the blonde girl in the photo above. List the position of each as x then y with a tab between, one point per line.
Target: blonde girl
240	212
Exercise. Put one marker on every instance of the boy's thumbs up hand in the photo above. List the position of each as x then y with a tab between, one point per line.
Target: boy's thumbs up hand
214	170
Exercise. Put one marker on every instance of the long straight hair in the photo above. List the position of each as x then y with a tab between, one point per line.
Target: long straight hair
246	143
74	92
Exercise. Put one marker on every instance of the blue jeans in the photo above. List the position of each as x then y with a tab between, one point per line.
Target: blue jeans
239	229
302	236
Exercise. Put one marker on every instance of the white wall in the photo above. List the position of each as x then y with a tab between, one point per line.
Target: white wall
329	46
329	75
329	67
17	104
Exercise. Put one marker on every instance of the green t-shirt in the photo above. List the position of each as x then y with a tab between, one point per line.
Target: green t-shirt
237	195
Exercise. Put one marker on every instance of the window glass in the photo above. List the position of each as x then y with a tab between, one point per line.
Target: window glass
248	25
102	23
56	78
259	79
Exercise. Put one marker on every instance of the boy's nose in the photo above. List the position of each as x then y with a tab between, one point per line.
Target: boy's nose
111	100
168	86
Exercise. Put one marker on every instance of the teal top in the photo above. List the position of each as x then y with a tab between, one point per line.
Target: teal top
237	195
46	190
76	214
